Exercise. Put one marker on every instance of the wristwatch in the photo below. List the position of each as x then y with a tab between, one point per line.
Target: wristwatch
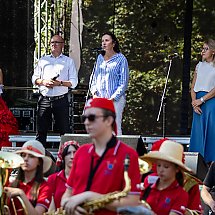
61	83
202	100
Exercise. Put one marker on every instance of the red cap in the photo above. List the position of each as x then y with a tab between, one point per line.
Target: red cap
156	145
102	103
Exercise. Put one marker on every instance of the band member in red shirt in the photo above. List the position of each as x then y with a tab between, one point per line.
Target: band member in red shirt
57	181
30	184
166	195
98	167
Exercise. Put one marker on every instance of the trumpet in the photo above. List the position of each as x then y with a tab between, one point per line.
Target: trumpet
8	161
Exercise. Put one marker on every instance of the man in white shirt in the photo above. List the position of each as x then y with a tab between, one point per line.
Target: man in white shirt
54	74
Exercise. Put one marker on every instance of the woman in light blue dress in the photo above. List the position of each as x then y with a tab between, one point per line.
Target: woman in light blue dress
203	102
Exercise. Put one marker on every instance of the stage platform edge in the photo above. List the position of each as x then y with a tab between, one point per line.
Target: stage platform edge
131	140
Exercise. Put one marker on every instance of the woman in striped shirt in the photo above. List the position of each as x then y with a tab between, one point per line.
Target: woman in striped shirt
111	75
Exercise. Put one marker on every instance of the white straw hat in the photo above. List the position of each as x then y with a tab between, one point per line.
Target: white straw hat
169	151
36	149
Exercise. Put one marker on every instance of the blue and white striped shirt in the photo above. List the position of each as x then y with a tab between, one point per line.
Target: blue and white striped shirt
111	77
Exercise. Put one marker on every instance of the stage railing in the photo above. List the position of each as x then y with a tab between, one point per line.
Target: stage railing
14	139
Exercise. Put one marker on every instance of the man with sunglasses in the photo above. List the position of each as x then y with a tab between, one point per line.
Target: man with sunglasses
98	167
54	74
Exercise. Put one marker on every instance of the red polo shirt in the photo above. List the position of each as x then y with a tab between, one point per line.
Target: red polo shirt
194	200
109	176
43	199
174	198
44	194
57	183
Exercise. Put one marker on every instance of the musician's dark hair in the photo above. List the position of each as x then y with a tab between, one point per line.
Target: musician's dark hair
180	178
107	113
64	153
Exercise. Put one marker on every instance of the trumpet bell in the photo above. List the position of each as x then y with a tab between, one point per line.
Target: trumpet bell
10	160
144	166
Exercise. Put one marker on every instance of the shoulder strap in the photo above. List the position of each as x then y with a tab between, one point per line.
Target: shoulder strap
146	192
93	170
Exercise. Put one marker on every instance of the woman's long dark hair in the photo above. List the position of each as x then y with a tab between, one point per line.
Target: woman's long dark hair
115	41
38	179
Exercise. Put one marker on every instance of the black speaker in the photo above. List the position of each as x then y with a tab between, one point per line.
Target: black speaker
25	117
141	148
195	161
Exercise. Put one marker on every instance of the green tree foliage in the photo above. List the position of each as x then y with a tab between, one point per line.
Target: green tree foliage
148	32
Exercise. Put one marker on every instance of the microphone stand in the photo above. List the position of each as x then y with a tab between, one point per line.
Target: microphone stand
164	101
91	78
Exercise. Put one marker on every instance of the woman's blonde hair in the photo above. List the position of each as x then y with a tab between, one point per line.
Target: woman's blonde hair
211	45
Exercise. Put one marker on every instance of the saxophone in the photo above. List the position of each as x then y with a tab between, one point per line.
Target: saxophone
100	203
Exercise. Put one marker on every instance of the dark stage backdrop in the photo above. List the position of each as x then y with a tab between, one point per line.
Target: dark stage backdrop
16	47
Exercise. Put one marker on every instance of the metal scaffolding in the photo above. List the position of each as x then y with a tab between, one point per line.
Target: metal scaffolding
41	28
49	19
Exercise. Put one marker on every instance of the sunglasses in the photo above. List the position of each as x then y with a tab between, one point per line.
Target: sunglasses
56	42
91	117
204	49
